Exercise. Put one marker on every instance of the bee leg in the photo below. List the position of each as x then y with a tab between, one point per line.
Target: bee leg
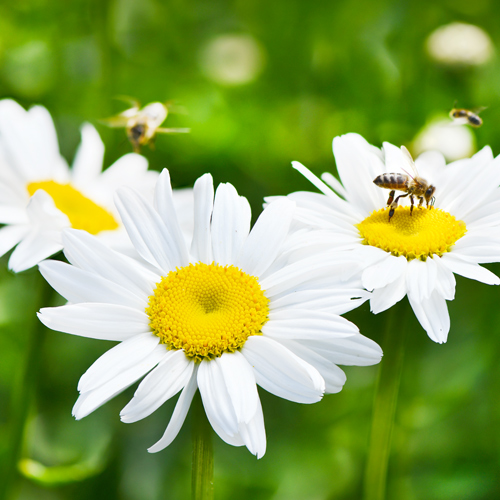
421	203
394	205
412	202
391	197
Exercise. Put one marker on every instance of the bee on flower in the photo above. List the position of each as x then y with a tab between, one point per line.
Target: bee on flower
413	253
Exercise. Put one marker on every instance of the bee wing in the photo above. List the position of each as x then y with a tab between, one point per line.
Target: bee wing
129	100
175	108
115	121
162	130
478	109
410	161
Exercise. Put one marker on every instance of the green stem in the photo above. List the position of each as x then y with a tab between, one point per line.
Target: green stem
202	481
386	397
23	394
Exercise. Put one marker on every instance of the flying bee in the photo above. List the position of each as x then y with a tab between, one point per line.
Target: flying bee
142	124
411	185
462	116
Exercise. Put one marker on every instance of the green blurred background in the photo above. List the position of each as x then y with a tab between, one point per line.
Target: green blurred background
264	83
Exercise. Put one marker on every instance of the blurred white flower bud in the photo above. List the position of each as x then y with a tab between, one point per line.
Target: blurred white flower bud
460	43
443	136
232	59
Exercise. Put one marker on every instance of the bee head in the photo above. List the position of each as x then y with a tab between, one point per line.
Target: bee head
429	194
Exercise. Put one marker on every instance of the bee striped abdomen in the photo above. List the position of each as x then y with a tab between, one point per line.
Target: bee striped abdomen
392	181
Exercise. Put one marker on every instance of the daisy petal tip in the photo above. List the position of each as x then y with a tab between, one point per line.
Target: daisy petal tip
302	169
155	448
77	413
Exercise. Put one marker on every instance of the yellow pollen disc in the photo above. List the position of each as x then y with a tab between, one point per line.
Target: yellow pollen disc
207	310
81	212
418	236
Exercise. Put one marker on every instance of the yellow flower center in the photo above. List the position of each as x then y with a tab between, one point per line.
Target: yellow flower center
207	310
81	212
418	236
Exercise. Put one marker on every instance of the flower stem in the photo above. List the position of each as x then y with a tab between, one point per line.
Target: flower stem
23	393
202	481
384	409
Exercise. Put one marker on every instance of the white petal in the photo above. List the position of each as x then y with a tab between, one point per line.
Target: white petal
43	142
350	351
165	381
333	376
253	433
305	324
148	233
77	285
165	205
89	157
201	246
384	272
484	181
318	183
240	384
432	313
87	252
90	401
421	278
216	398
230	224
118	360
383	298
339	265
34	248
396	160
29	139
280	372
232	439
97	321
266	237
335	300
10	236
358	166
478	248
445	281
469	270
130	170
179	415
332	181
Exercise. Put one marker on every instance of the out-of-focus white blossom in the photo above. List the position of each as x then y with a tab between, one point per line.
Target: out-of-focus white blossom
232	59
460	43
442	135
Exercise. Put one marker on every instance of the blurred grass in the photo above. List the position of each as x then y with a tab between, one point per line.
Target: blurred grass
327	68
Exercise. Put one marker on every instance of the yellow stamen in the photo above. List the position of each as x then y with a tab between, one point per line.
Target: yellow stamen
418	236
81	212
207	310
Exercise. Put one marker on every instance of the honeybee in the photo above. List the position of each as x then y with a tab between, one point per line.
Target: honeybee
411	185
142	124
465	117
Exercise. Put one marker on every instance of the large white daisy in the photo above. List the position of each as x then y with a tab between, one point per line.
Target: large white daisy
40	195
413	254
238	308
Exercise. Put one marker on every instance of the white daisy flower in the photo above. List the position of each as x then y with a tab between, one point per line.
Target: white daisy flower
412	253
40	195
228	313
